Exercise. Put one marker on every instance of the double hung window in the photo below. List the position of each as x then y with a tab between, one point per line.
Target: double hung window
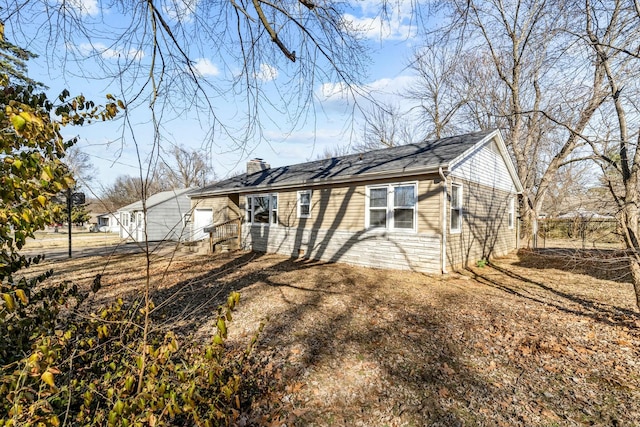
512	212
304	204
456	208
392	206
378	207
262	209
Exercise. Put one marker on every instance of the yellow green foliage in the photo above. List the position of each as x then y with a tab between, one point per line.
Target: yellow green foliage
95	369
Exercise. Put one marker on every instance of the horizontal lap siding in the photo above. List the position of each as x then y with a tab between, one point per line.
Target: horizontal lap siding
343	208
165	221
332	208
429	206
487	189
336	232
485	166
485	232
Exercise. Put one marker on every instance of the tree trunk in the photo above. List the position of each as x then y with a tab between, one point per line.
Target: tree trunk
634	264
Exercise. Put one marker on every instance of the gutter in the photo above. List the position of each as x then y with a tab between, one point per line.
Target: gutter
443	251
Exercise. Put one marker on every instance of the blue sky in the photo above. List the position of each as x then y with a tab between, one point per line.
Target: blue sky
332	123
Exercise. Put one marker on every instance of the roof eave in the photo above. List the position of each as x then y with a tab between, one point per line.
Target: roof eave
328	181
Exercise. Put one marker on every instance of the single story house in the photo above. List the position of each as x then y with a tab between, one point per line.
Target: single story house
106	223
166	219
431	206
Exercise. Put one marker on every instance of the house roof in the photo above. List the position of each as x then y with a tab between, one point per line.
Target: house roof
155	200
424	157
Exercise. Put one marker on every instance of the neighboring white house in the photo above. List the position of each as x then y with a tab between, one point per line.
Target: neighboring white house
107	223
165	220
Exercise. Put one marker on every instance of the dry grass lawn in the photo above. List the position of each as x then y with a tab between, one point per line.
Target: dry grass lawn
533	341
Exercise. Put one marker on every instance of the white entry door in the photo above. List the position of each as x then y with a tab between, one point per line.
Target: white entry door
201	218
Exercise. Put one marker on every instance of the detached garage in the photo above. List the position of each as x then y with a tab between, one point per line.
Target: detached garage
165	217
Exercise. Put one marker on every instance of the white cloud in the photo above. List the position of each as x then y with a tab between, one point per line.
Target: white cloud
397	23
180	10
267	73
391	85
84	7
384	89
206	68
110	53
303	145
329	92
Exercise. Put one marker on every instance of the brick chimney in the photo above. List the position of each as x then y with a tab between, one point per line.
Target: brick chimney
256	165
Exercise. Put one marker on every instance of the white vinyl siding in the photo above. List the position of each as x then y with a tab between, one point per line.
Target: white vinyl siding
485	166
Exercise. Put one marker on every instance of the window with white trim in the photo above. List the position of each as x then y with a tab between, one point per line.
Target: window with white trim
304	204
456	208
124	219
392	206
262	209
512	212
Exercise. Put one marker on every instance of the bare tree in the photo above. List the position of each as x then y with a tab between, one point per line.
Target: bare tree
80	166
334	151
185	169
518	68
561	77
385	126
128	189
437	89
214	57
612	31
569	191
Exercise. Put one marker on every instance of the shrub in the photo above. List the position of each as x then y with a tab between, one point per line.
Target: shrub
95	369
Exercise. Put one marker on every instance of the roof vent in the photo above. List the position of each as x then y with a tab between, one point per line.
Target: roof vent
257	165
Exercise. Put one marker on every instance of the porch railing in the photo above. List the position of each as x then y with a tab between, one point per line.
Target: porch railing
224	231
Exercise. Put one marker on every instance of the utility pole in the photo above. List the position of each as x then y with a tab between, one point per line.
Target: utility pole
73	199
69	203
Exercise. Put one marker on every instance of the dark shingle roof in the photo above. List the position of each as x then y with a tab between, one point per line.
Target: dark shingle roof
426	155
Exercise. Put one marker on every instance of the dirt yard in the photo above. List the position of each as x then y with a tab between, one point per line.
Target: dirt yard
535	340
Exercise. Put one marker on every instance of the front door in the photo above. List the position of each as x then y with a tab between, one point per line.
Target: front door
201	218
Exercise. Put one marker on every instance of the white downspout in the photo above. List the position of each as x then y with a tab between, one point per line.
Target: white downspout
443	252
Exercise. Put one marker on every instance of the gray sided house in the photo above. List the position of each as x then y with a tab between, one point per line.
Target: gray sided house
165	219
430	207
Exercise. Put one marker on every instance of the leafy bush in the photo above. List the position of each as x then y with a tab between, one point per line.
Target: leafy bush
60	362
96	369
